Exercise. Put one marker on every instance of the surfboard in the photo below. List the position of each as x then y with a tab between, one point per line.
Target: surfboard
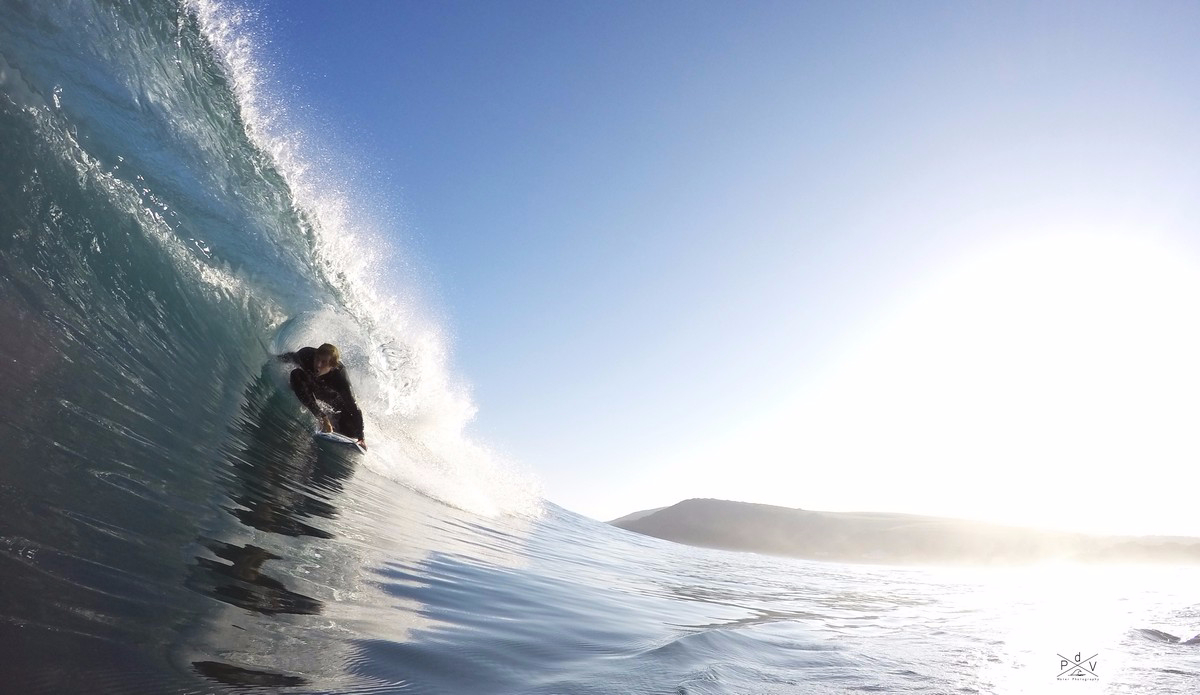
338	438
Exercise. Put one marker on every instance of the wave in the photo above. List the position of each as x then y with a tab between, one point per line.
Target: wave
172	204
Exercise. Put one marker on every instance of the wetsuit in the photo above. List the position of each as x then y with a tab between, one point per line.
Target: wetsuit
333	388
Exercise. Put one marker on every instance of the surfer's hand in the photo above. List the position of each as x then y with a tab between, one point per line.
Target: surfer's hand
326	425
363	444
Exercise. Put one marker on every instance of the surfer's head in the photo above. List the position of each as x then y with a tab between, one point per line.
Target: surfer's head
326	359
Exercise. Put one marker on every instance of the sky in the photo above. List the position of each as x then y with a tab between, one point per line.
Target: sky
923	257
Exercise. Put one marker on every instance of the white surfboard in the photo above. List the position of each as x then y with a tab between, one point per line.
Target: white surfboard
339	438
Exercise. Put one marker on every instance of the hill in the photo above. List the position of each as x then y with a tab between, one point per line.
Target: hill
887	538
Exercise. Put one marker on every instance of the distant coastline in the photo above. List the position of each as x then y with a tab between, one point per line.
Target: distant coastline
888	538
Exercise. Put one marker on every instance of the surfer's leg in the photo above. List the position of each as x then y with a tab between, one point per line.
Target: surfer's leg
350	423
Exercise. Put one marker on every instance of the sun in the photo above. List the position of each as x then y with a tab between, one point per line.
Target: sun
1053	381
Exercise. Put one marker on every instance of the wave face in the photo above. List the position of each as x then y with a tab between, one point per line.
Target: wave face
168	524
168	229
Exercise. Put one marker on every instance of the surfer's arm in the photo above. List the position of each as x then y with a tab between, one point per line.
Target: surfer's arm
301	358
302	386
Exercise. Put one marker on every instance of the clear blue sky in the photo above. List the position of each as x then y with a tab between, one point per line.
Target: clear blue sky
671	239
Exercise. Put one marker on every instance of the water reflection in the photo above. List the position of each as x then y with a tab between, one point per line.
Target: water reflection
293	562
283	485
246	677
243	583
283	476
282	479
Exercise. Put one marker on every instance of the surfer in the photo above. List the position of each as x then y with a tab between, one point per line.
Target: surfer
320	376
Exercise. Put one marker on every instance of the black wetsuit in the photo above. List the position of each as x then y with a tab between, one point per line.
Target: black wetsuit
332	388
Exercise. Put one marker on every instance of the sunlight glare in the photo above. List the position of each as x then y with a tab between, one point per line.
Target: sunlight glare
1051	382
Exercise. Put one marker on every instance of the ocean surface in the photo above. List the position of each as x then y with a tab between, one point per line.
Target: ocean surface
169	525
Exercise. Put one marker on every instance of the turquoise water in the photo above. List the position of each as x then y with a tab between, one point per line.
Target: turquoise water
167	523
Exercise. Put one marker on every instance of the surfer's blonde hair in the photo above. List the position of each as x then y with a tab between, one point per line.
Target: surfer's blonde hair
330	350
